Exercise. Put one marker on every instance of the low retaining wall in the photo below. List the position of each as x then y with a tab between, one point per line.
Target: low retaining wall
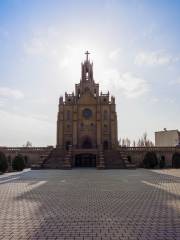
35	155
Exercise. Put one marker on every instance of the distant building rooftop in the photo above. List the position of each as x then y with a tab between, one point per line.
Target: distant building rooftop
167	138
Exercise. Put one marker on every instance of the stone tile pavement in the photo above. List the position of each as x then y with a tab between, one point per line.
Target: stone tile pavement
90	204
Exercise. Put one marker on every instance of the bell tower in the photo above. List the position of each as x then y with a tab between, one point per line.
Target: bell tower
87	70
87	83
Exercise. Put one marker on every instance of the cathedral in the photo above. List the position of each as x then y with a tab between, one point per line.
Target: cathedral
87	118
86	125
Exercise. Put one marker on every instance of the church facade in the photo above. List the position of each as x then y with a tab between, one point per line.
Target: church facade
86	126
87	119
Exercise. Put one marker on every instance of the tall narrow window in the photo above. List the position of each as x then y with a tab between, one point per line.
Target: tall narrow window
67	145
105	115
68	115
105	145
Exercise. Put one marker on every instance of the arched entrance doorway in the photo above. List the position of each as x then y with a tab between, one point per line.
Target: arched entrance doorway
85	160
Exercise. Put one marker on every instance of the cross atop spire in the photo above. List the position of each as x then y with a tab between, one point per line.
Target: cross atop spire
87	53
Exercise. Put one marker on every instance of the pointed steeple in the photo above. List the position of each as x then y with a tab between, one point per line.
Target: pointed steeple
87	53
87	69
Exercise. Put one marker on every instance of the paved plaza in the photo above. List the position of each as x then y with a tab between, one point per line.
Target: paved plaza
90	204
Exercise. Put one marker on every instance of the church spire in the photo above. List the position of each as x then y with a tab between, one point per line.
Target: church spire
87	69
87	53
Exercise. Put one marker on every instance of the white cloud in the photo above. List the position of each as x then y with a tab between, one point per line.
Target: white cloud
178	81
65	62
154	99
154	58
150	31
169	100
46	42
40	117
16	129
1	104
36	46
131	86
11	93
41	45
174	82
115	54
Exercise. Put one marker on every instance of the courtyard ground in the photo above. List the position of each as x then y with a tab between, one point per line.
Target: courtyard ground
90	204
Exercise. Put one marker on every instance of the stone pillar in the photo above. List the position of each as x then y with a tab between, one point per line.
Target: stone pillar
98	125
75	126
60	124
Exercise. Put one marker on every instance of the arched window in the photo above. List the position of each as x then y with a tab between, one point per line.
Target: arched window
87	89
176	160
105	115
87	74
9	160
94	92
87	143
129	159
67	145
105	145
162	162
26	160
68	115
150	160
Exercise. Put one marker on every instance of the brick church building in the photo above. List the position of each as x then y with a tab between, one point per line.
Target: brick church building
87	119
86	125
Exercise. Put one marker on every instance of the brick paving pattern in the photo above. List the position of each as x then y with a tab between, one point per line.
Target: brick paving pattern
90	204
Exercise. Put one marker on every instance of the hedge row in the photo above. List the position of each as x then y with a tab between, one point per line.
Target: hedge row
18	163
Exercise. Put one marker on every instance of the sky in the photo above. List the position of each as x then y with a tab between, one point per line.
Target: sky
135	48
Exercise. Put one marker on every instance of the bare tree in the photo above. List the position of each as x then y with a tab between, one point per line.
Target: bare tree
141	142
144	141
27	144
128	142
123	142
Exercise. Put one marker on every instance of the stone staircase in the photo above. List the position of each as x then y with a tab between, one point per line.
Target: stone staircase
67	160
100	161
113	159
127	164
116	159
54	160
106	159
38	165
